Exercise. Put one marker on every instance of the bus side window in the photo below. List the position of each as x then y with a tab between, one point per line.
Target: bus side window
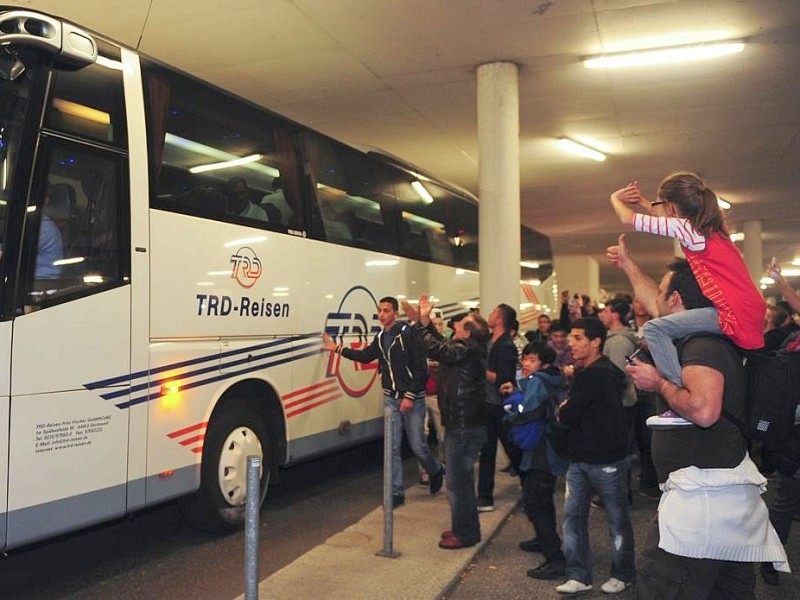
78	225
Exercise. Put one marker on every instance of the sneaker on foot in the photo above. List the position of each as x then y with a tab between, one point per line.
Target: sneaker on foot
667	419
485	505
614	586
398	500
573	587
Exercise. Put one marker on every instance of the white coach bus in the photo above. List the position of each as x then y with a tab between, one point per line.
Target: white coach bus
170	255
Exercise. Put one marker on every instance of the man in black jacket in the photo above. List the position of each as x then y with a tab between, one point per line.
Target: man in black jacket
501	368
461	386
598	461
404	371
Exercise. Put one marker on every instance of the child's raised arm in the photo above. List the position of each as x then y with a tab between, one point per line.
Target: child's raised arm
623	201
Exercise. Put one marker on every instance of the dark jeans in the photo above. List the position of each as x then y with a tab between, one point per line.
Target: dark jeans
665	576
495	430
785	505
461	446
538	488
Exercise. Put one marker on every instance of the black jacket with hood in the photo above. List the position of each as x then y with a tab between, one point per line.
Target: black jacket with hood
404	369
593	416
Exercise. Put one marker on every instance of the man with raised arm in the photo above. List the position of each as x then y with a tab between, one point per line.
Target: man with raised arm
461	386
712	523
404	371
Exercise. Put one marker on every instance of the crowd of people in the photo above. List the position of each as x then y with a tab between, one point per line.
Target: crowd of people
651	373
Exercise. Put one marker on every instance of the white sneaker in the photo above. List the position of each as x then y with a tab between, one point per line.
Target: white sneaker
614	586
667	420
573	587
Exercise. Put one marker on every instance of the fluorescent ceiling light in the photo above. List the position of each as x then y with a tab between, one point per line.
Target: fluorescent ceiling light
723	204
581	150
737	236
422	192
227	164
663	56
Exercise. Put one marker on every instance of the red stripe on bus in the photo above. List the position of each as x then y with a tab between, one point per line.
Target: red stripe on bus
311	397
192	440
186	430
312	387
308	407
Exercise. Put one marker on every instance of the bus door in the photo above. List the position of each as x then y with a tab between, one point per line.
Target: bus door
69	395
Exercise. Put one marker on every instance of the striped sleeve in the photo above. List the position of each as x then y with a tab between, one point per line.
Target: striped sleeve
673	227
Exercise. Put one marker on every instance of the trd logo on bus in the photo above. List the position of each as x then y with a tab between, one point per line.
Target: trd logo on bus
246	267
357	316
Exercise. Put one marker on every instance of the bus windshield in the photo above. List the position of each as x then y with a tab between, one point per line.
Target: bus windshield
13	104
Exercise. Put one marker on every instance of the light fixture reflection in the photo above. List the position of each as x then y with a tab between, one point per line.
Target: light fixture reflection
663	56
422	192
581	150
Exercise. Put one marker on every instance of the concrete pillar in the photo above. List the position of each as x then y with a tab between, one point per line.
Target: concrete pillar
579	274
753	251
498	184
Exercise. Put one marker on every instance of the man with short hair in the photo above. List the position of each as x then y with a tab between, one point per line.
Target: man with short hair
461	386
620	341
404	372
598	462
501	367
712	523
558	342
542	331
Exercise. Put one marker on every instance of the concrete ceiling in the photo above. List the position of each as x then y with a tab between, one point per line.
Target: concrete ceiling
401	75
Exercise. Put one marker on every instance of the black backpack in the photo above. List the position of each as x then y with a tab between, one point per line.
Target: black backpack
773	392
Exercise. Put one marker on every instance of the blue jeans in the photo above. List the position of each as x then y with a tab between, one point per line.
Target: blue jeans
414	424
461	445
659	333
610	483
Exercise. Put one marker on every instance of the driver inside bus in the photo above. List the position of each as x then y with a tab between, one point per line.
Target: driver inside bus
50	247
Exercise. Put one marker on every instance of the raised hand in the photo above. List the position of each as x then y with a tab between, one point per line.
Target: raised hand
618	255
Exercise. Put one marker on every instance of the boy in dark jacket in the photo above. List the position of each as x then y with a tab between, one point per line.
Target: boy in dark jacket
540	464
598	461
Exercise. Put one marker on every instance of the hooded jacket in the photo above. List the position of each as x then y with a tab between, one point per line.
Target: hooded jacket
404	370
596	431
540	389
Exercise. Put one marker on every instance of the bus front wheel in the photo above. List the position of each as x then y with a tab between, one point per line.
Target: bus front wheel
231	437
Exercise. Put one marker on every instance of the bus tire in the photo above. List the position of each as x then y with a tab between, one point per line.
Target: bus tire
218	506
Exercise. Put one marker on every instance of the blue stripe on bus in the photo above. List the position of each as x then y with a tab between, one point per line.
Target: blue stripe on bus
186	375
194	361
220	377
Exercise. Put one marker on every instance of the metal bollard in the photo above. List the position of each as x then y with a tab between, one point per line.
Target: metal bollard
251	528
389	416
